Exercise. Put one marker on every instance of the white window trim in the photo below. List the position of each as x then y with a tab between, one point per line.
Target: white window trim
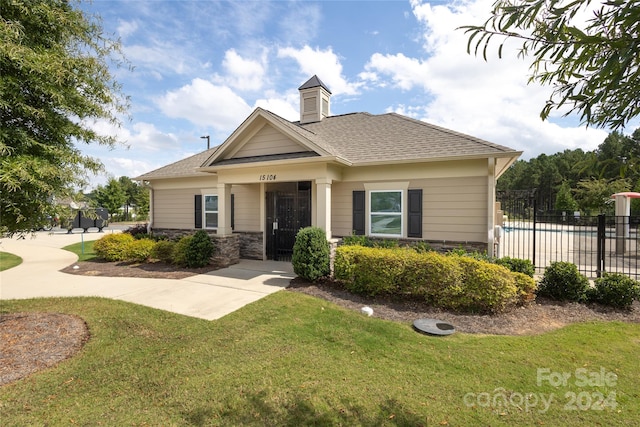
401	186
205	211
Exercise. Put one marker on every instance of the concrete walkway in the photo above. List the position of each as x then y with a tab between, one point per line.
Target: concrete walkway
206	296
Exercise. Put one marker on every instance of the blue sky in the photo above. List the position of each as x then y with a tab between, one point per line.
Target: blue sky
201	67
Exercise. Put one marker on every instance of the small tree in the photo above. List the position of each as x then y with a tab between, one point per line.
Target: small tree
112	196
564	200
311	254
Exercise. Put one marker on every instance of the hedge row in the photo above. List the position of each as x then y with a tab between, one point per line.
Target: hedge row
447	281
190	251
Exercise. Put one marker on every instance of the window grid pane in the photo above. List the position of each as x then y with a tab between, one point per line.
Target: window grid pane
211	220
211	211
385	213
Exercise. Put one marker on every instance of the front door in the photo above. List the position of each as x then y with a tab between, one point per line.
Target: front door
288	209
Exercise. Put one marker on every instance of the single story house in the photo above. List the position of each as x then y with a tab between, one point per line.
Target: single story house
386	176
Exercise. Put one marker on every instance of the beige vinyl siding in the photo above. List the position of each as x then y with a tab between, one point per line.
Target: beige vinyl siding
174	208
454	209
267	141
247	207
341	207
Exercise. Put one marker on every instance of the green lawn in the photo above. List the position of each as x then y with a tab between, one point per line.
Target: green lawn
293	360
8	260
84	250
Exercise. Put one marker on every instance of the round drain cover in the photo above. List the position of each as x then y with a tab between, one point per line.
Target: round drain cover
433	327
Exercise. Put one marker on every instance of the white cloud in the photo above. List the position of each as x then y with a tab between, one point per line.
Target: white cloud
205	104
488	99
323	63
139	136
126	28
301	22
286	106
243	74
406	73
157	59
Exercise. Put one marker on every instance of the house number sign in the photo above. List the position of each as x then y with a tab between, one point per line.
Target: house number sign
268	177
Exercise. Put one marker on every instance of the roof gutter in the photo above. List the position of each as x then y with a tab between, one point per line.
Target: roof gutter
284	162
513	155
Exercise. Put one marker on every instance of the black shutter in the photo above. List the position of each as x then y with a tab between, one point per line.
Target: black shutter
359	213
414	219
198	210
233	212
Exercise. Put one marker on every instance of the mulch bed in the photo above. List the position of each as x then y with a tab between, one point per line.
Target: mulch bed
147	270
540	316
31	342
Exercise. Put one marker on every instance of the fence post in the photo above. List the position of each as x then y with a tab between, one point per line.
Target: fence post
535	217
602	235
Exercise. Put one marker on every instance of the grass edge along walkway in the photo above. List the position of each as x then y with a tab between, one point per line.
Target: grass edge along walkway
291	359
9	260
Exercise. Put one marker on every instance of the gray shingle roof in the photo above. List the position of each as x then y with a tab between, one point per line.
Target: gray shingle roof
181	168
365	138
361	138
314	82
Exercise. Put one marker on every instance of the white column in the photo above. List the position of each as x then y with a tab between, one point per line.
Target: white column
224	210
323	203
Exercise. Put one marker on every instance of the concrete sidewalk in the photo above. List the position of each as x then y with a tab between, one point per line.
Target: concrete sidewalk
207	296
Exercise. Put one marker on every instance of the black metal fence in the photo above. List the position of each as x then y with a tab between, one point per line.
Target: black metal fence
596	244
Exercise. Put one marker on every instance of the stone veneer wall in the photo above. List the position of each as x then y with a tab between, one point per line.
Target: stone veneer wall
251	246
227	248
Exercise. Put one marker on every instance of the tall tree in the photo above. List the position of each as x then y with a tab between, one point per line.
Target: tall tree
593	65
54	81
111	196
131	190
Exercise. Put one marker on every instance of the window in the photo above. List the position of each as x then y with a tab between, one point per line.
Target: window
210	211
385	217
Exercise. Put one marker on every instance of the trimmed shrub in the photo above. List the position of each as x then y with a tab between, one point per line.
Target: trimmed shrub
484	288
199	250
455	282
138	250
371	271
163	251
526	286
480	256
311	254
615	290
180	251
563	282
421	246
517	265
113	247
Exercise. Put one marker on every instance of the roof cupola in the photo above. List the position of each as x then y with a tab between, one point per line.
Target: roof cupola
314	101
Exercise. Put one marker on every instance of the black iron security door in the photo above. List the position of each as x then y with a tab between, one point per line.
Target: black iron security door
288	207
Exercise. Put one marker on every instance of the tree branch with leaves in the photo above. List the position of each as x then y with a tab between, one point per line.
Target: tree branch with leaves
55	80
592	64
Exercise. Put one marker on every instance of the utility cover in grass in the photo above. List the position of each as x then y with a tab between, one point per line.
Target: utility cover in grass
433	327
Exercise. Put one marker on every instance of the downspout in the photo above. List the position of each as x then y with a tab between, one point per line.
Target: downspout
150	224
491	205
